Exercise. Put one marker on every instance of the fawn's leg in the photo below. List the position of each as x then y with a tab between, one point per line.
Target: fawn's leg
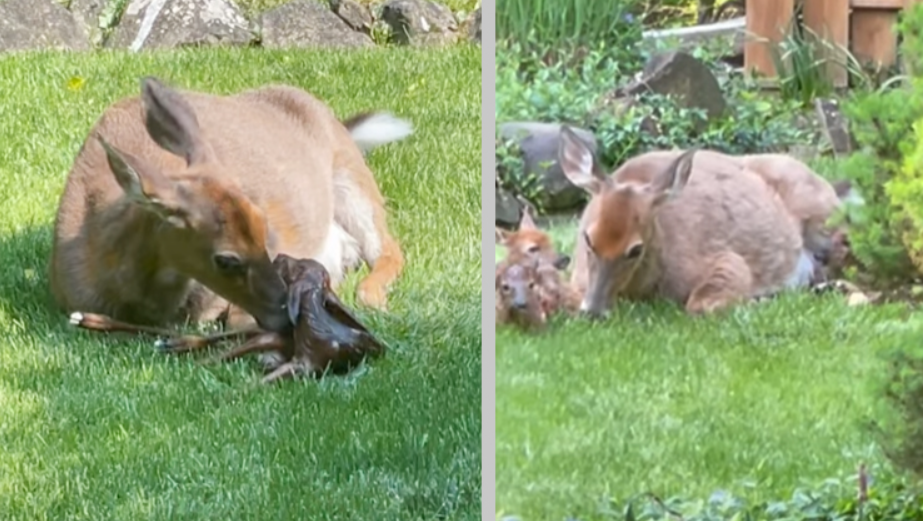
258	344
105	323
286	370
727	282
184	344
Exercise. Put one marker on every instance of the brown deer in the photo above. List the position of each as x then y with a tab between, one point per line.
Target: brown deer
702	231
530	241
178	200
519	301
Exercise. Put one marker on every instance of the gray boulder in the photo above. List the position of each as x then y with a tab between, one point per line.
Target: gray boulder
681	75
151	24
39	25
419	22
307	23
539	144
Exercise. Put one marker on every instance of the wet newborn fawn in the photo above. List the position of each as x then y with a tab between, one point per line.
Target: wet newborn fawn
326	336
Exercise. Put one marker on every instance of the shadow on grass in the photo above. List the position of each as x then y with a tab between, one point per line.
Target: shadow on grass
104	424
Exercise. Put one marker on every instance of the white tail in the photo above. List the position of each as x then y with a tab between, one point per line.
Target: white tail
377	129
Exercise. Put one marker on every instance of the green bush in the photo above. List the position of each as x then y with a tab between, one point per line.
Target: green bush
886	170
888	498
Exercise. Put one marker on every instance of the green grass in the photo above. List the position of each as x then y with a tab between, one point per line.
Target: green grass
97	427
756	403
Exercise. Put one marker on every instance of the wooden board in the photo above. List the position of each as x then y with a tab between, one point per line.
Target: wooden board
765	20
874	38
829	19
878	4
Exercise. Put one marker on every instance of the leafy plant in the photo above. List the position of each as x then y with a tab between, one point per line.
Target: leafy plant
885	170
550	23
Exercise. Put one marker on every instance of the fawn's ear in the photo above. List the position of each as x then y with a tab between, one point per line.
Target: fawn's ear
526	222
171	121
146	186
500	236
294	305
669	183
578	164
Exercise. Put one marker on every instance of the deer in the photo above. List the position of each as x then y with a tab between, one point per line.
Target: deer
700	231
178	200
529	240
811	199
519	301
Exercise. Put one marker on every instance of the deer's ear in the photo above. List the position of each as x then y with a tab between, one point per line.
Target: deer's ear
526	222
669	183
146	186
577	162
500	236
171	121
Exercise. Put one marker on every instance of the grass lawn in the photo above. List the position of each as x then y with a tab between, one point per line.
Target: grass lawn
97	427
757	403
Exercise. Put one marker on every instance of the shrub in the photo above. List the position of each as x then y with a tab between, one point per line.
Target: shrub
884	231
888	498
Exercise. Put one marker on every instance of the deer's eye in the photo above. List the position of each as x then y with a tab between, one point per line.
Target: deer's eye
229	263
533	249
634	251
505	288
586	239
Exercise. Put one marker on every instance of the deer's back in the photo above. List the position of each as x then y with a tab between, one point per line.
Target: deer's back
807	195
725	210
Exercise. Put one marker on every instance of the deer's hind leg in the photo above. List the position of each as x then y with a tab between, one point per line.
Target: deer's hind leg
727	282
360	211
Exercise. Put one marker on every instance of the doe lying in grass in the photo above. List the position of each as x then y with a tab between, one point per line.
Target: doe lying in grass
704	233
177	201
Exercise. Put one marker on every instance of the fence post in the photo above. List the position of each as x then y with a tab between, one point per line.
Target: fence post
766	20
829	20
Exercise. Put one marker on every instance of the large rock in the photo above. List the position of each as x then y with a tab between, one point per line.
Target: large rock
474	25
509	209
356	15
419	22
307	23
87	13
39	24
150	24
683	76
539	144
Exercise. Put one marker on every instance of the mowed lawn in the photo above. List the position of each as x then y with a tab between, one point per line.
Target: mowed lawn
766	399
95	427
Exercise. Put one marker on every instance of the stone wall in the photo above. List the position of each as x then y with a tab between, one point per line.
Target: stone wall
150	24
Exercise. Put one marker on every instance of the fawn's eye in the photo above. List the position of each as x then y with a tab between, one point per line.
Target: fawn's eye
586	239
634	251
505	288
229	263
533	249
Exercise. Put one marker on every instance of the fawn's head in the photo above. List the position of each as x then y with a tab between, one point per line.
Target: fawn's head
209	229
529	241
517	293
619	228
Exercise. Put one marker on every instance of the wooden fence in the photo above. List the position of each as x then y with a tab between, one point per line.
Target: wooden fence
865	27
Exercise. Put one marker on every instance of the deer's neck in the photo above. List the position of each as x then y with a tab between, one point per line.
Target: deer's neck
140	286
